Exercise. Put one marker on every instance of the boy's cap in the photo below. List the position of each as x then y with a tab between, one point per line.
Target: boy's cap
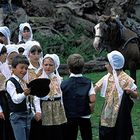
39	87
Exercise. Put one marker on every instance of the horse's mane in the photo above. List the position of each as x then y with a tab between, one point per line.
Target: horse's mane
115	34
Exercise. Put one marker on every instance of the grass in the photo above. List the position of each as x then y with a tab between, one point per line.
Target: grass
99	100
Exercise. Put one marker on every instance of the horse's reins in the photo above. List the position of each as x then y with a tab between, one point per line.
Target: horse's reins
129	40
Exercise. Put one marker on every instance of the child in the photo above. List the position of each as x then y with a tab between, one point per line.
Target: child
19	106
3	54
21	48
53	114
6	69
118	88
25	33
2	83
78	96
4	113
5	35
33	51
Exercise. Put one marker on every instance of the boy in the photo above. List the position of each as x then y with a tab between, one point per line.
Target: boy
19	106
78	98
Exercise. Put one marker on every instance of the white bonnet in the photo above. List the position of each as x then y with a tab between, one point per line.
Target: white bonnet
11	48
6	32
29	45
21	28
21	45
55	58
116	60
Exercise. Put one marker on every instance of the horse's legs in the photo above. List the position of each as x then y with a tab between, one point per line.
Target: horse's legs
133	68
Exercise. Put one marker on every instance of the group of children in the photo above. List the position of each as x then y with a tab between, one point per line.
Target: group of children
69	105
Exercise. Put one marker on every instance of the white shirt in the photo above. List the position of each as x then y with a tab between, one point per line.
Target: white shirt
1	109
36	100
11	89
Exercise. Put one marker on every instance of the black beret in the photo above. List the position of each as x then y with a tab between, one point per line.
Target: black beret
39	87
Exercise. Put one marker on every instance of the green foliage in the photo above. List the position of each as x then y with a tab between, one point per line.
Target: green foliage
75	42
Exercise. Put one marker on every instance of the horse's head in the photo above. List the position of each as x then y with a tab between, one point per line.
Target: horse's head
107	33
100	36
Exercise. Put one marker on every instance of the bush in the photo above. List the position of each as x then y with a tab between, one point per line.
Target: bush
64	45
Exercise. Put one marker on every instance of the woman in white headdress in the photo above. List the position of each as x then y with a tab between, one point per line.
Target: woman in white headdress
53	113
25	33
116	87
5	35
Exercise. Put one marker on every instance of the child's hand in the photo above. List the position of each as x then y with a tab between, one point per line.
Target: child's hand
133	94
27	91
2	116
128	91
37	116
92	105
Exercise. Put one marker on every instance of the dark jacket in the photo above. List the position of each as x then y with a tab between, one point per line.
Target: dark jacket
75	96
16	107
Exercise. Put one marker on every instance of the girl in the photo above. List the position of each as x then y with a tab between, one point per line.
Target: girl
4	113
53	114
5	35
25	33
33	51
118	90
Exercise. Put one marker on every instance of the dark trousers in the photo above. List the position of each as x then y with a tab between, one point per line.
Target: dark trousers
75	124
54	132
106	133
36	131
6	131
109	133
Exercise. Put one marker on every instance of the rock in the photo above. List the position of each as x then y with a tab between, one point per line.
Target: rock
91	66
1	17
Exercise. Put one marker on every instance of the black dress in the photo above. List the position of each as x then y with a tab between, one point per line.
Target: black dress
124	128
6	132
